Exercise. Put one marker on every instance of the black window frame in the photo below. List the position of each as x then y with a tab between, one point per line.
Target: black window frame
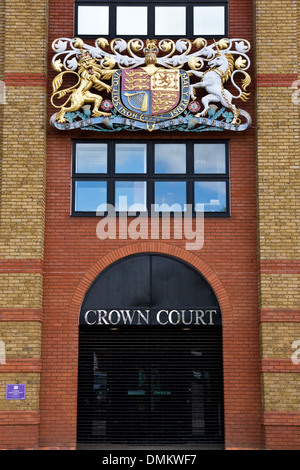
112	4
150	177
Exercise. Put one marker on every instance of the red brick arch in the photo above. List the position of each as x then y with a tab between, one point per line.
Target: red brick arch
180	254
151	247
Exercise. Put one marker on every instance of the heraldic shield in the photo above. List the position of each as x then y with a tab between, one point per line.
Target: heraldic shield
161	95
151	95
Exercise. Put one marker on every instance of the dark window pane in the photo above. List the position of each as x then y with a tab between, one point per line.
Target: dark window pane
210	158
212	194
91	158
131	158
130	195
169	193
89	195
170	158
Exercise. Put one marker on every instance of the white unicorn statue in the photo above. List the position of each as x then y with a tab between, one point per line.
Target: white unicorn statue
221	69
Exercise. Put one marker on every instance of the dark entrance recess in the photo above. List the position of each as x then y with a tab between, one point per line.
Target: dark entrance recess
150	384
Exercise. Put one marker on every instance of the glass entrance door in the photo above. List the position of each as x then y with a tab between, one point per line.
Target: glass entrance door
150	385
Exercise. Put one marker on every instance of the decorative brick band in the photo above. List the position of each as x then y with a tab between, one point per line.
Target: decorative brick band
19	417
21	266
279	365
280	315
284	266
281	418
276	79
25	79
19	314
21	365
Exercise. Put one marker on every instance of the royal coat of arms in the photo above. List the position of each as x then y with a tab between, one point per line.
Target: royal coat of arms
150	85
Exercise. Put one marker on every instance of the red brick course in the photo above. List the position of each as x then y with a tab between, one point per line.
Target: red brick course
279	365
276	79
20	314
21	365
280	315
284	266
21	266
25	79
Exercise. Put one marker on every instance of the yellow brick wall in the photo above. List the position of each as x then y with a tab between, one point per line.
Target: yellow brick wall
26	36
279	291
277	24
22	339
278	173
23	174
21	290
2	30
281	392
277	339
278	209
23	50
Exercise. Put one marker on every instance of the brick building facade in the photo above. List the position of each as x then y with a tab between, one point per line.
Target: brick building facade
48	260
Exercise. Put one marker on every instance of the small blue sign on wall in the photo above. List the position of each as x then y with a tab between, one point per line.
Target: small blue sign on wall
15	391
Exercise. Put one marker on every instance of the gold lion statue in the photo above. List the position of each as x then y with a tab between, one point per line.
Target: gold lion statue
89	76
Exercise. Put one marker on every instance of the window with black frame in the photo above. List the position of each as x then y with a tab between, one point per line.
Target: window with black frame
150	175
169	18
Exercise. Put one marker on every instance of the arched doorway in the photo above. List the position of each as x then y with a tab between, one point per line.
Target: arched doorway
150	355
